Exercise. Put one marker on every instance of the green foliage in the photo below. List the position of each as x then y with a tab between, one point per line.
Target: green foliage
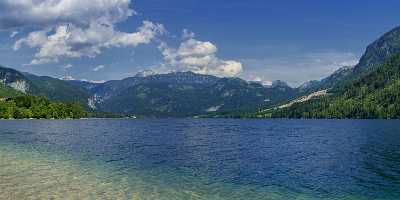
8	92
56	89
52	88
375	94
23	107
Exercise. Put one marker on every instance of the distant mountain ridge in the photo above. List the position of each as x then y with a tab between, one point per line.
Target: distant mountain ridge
183	94
177	94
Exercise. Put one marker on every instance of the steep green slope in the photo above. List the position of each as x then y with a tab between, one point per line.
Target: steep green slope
374	94
8	92
57	90
52	88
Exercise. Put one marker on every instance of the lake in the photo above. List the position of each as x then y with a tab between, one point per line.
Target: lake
176	159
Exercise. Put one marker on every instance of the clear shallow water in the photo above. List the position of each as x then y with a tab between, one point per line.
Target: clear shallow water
200	159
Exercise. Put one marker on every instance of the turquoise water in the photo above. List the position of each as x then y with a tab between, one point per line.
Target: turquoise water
200	159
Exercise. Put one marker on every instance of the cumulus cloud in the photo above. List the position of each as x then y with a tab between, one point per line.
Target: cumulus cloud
70	41
73	28
22	13
98	68
199	57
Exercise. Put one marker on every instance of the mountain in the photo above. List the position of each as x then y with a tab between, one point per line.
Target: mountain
376	53
183	94
178	94
381	49
49	87
336	78
17	102
56	89
375	94
105	91
368	90
11	78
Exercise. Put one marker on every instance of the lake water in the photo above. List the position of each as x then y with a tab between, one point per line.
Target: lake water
176	159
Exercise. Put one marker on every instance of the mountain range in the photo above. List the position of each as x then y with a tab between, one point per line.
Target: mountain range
186	94
179	94
371	89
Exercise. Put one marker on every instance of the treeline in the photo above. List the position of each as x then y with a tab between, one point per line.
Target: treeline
25	107
375	94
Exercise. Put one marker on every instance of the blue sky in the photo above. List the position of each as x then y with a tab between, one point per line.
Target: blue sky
260	40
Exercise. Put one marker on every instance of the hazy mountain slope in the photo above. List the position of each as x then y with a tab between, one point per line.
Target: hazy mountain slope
113	88
376	81
384	47
374	94
186	94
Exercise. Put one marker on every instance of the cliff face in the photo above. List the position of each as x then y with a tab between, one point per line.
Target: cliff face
14	79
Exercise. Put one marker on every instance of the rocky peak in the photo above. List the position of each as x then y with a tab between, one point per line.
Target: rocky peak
381	49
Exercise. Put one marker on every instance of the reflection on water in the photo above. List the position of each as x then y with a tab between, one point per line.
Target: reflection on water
199	159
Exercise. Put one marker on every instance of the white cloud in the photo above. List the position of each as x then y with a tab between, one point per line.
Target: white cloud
13	34
258	79
73	28
68	78
70	41
68	66
98	68
229	67
187	34
192	47
199	57
34	39
94	81
21	13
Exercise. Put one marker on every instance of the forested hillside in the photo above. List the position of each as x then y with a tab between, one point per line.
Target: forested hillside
374	94
23	107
